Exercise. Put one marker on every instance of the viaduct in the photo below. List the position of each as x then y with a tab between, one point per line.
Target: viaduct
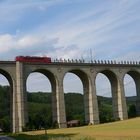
18	72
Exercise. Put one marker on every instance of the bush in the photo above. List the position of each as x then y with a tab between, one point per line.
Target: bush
132	111
5	124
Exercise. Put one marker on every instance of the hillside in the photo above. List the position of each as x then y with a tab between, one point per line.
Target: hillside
121	130
40	112
75	106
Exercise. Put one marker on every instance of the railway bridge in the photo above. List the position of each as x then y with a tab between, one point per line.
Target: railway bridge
18	72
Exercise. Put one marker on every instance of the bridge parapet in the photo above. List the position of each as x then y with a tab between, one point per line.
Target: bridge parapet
112	62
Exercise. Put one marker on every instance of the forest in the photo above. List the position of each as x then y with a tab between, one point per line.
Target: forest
40	112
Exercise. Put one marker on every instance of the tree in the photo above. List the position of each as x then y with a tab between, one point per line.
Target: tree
5	124
132	111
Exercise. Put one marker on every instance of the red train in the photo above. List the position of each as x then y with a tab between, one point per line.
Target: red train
33	59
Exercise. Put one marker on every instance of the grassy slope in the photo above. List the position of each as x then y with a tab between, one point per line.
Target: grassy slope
121	130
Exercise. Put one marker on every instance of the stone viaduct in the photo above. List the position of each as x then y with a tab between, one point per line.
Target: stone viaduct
18	72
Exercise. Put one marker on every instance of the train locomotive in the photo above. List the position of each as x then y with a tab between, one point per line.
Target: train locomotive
44	59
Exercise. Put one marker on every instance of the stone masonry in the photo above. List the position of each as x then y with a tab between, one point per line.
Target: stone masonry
18	72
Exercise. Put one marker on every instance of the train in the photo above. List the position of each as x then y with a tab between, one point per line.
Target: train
43	59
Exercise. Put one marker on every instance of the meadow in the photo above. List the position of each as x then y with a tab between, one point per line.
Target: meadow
120	130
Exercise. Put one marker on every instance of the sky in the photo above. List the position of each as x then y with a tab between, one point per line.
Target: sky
70	29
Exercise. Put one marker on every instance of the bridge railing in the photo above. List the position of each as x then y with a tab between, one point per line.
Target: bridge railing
96	61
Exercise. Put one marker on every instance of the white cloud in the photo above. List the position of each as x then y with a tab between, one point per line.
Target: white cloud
6	42
83	34
130	56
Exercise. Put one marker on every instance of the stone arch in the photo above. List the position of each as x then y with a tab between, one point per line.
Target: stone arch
103	92
12	99
113	79
136	77
53	81
83	76
49	75
8	76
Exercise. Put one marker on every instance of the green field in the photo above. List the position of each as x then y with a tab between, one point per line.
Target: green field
121	130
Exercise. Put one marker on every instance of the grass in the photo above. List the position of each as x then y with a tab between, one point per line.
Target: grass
121	130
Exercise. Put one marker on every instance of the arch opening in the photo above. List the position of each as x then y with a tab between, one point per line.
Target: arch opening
106	91
132	93
40	90
75	88
6	102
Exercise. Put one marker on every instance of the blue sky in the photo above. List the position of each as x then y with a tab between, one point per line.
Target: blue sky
70	28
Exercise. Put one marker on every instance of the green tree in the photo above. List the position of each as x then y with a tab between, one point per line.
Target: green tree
132	111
